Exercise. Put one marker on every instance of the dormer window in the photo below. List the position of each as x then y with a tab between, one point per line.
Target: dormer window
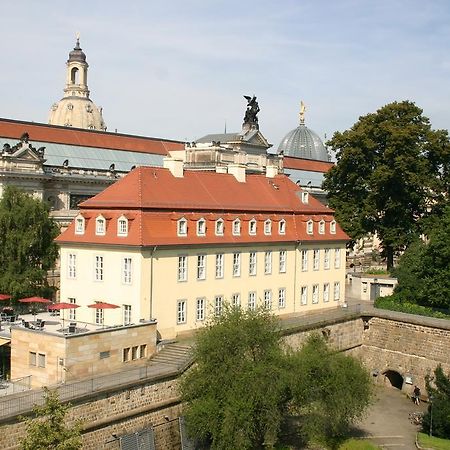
252	227
182	227
268	227
333	227
100	226
79	225
122	226
236	227
322	227
219	227
282	227
201	227
309	227
305	197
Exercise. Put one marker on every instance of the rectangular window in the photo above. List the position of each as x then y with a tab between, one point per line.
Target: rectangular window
304	260
282	298
41	360
143	351
201	267
99	316
218	305
123	227
181	311
219	265
182	227
236	300
236	227
98	270
200	309
105	354
337	291
72	312
282	261
126	270
316	259
134	352
126	314
252	264
71	265
267	227
251	300
126	354
315	293
32	359
304	295
268	299
282	227
326	259
219	227
201	227
79	225
236	264
337	258
182	268
326	292
268	262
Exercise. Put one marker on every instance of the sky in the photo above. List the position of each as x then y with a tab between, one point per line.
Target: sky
179	69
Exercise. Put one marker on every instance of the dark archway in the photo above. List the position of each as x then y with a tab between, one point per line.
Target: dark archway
394	378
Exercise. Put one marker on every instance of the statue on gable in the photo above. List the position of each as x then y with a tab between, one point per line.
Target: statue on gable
251	113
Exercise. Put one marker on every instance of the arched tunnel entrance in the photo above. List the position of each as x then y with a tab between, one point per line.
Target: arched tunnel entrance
394	378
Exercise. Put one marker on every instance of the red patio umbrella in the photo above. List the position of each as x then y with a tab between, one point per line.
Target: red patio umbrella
61	306
34	300
4	297
103	305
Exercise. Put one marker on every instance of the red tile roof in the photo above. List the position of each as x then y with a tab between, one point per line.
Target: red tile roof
307	164
13	129
155	200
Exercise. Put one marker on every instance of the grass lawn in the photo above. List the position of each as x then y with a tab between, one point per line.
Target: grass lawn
434	443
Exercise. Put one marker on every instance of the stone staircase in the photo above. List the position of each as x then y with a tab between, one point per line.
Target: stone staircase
176	355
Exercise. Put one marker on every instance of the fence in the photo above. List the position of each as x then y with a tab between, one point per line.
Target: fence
8	387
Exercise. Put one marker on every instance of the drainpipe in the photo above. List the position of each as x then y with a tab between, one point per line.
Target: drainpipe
151	281
296	271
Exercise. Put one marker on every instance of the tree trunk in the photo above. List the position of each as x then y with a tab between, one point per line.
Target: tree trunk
389	258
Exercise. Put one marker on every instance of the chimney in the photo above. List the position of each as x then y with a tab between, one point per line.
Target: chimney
271	171
174	165
238	170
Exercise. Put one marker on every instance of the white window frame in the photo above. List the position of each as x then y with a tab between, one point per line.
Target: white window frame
252	227
310	227
316	259
201	227
122	226
220	227
126	314
268	299
304	260
282	227
182	268
80	224
218	305
236	300
201	267
219	265
236	227
181	311
333	227
182	227
326	258
315	294
337	258
281	298
99	316
236	264
304	295
252	264
200	309
326	292
72	266
268	227
305	197
127	270
322	227
268	262
251	300
73	311
337	291
282	261
99	265
100	226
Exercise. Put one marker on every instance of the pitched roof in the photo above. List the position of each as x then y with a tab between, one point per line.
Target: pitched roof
88	138
307	164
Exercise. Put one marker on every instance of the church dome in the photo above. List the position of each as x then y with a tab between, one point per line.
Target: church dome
77	53
302	142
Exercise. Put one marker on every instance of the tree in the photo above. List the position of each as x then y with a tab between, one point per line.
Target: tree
423	271
392	170
47	430
245	383
438	414
27	249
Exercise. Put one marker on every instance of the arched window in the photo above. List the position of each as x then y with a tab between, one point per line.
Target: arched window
322	227
219	227
182	227
201	227
268	227
75	76
236	227
282	227
252	227
333	227
79	224
309	227
122	226
100	226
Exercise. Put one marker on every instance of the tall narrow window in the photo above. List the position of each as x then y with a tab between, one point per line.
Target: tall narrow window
304	260
315	293
316	259
200	309
268	262
252	301
326	292
236	227
98	268
219	265
268	299
337	258
126	270
182	227
99	316
252	227
337	291
182	268
310	227
305	197
201	227
181	311
100	226
333	227
282	261
326	259
71	265
73	311
304	295
236	300
201	267
79	225
268	227
282	227
219	227
126	314
236	264
252	264
282	298
322	227
218	305
122	226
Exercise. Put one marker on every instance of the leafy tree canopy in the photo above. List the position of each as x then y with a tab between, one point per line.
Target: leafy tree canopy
392	170
27	249
48	430
245	383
